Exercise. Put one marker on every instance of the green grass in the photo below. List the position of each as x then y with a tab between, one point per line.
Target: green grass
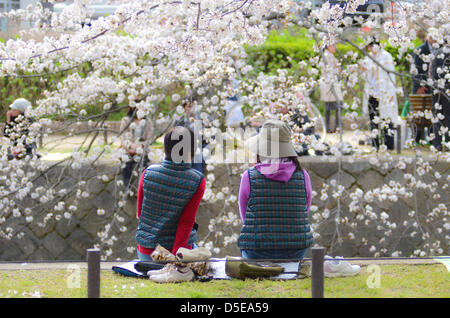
396	281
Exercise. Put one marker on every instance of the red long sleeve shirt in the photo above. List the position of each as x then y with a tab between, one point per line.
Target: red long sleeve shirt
186	221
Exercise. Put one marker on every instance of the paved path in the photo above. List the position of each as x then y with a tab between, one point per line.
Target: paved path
109	265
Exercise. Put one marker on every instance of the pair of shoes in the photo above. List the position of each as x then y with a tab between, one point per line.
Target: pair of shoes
160	271
162	254
196	259
196	254
337	267
200	268
304	269
171	273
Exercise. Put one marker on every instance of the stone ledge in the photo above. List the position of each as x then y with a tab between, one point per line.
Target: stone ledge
12	266
69	239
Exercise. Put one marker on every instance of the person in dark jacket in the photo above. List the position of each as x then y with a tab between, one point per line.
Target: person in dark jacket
440	67
422	57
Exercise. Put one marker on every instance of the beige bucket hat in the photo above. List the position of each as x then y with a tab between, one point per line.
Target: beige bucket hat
273	140
20	104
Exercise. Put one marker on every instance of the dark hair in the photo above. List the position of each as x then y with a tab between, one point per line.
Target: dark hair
187	101
176	137
372	43
131	112
294	159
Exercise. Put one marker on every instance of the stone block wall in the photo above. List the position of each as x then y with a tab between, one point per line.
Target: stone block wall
107	219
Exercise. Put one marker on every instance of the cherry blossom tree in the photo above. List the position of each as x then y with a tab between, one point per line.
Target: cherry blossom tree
152	54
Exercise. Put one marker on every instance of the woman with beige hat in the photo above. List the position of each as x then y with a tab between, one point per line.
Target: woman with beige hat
274	198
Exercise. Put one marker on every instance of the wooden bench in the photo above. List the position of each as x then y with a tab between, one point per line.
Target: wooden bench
418	105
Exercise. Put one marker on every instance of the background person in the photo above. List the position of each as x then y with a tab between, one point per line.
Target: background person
274	198
187	118
233	106
380	94
169	195
422	58
135	133
439	70
330	88
17	129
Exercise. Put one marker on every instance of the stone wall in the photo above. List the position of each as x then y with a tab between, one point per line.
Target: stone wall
64	238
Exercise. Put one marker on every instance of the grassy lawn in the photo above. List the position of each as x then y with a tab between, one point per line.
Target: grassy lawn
396	281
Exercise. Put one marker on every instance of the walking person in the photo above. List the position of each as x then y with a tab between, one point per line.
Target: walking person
440	67
422	57
421	68
380	99
330	88
233	106
274	198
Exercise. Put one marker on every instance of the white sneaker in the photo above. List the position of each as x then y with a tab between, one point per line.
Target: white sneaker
336	267
174	274
160	271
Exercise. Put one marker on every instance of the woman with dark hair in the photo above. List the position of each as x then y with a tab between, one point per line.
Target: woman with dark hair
169	195
187	120
275	198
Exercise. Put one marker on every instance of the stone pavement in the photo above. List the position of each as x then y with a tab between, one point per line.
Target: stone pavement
107	265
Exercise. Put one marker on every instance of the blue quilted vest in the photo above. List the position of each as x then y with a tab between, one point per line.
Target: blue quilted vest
168	187
276	215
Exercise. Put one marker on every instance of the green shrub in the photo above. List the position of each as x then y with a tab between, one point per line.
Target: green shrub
284	49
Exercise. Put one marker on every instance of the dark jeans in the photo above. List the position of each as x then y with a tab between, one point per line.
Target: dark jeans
199	166
445	110
274	254
129	167
332	106
373	112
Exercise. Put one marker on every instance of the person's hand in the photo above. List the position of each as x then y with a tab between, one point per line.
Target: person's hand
421	90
